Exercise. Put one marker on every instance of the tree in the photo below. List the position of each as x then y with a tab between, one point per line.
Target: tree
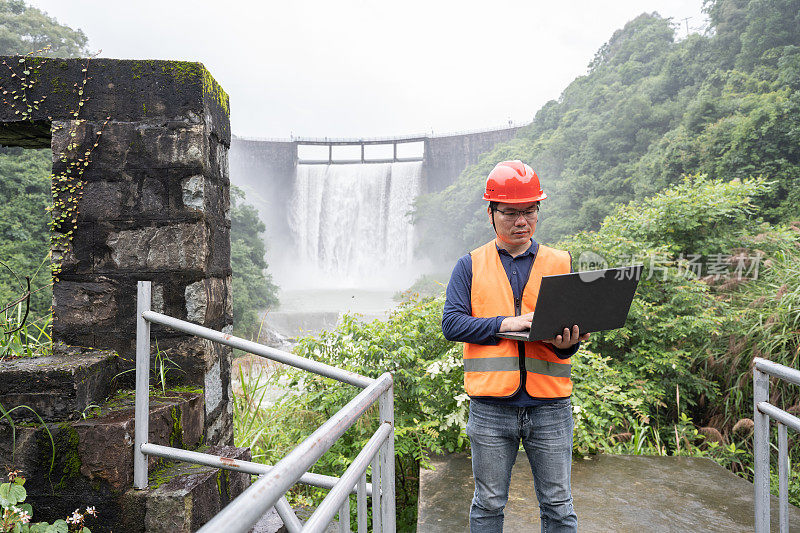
25	29
253	289
24	230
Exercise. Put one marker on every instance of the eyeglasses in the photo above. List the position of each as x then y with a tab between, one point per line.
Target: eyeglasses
513	214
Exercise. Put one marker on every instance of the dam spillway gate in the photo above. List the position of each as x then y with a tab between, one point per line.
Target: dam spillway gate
415	143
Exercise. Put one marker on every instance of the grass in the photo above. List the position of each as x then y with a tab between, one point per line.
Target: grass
764	322
23	337
255	426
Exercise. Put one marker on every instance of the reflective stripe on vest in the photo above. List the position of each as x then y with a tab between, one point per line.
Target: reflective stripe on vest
494	371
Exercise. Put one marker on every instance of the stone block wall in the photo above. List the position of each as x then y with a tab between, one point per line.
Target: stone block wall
155	206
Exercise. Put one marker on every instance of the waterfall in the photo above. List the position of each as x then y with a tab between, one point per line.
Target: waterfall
351	224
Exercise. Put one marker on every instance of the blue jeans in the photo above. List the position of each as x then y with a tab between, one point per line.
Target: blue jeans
495	432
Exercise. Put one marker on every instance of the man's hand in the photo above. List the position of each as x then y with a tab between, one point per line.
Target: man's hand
516	323
567	338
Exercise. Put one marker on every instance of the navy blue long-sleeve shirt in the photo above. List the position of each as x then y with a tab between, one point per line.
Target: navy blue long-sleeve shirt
458	324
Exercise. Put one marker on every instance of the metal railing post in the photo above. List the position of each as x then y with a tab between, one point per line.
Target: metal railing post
344	516
376	491
783	479
386	410
290	520
761	451
361	504
142	406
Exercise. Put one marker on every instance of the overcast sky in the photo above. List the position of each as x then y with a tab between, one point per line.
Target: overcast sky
363	68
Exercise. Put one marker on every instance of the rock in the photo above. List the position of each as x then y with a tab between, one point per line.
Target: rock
57	387
193	192
173	247
206	300
89	302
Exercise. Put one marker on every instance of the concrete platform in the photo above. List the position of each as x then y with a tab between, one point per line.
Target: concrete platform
611	493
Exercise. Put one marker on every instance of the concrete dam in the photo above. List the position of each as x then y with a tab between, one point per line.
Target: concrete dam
336	210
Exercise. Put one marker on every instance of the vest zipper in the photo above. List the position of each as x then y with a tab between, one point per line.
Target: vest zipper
520	345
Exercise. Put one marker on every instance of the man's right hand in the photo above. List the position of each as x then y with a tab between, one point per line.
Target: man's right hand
516	323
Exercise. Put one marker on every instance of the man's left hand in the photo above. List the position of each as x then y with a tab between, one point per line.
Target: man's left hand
568	338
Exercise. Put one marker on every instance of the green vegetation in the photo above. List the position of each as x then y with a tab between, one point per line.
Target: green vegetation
24	230
253	289
24	337
429	411
649	109
425	286
26	28
16	515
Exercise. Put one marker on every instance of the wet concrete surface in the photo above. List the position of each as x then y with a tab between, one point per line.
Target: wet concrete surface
611	493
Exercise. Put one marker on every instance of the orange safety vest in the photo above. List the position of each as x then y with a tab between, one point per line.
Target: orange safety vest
496	371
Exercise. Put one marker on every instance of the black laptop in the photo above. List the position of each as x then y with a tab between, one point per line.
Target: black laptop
595	300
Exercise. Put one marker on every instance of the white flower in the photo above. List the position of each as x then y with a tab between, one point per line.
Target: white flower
91	511
24	517
75	518
576	409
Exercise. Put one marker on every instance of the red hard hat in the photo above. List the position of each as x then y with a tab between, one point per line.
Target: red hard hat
513	182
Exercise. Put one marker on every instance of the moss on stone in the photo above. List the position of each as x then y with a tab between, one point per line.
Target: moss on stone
122	399
185	72
212	88
161	474
64	452
168	470
136	70
36	60
186	388
176	435
223	479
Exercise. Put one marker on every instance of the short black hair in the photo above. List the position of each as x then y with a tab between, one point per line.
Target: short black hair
493	205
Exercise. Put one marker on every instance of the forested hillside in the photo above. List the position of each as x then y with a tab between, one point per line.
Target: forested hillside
649	110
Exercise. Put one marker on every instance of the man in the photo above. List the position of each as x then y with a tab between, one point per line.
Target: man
519	390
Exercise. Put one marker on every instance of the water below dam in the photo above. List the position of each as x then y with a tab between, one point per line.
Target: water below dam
307	312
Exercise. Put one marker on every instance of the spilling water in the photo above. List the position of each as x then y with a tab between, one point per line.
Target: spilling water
352	244
351	224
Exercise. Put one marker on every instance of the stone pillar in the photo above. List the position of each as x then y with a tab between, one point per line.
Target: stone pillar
155	206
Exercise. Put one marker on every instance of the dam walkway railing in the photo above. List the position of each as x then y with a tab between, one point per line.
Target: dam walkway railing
763	411
274	481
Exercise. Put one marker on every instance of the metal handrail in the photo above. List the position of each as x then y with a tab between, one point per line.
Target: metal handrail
243	512
268	491
762	412
237	465
255	348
